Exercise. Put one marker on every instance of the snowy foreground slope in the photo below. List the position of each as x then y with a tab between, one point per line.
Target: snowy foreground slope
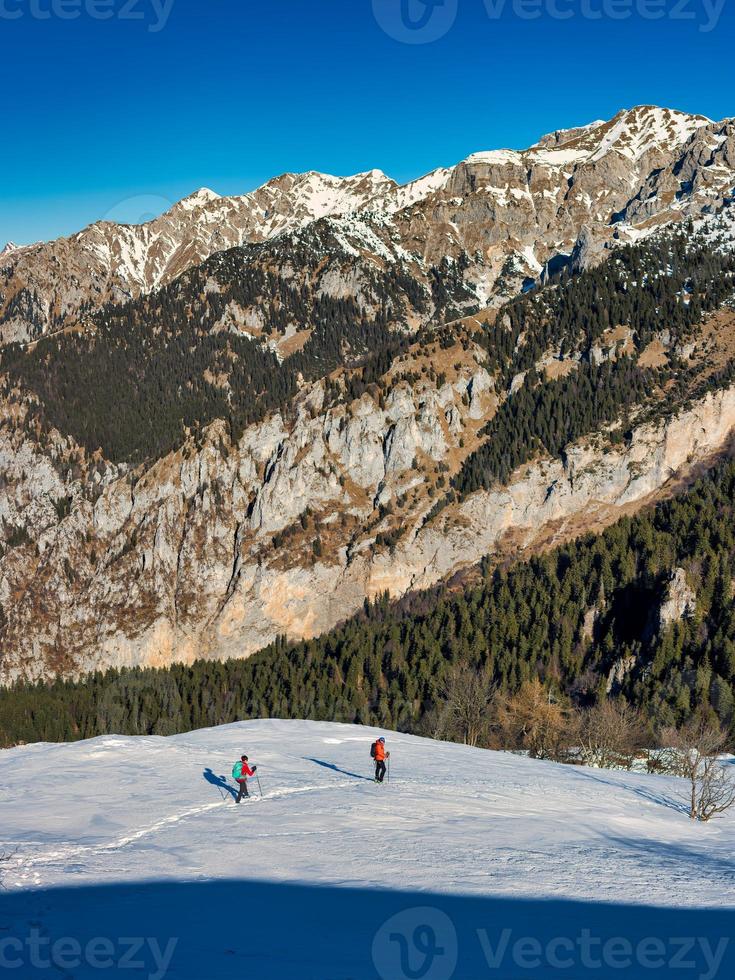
449	870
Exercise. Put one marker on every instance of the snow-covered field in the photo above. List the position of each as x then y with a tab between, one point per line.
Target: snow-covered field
140	838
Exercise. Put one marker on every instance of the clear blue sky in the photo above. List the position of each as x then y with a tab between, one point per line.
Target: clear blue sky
110	117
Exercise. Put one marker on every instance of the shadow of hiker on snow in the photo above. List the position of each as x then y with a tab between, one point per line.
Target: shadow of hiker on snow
331	765
220	782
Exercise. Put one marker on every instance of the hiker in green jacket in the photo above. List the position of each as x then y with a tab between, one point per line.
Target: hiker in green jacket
240	773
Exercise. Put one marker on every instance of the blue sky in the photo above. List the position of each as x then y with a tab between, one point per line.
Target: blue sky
119	116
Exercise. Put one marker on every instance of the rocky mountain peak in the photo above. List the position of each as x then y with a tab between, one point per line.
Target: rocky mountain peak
631	133
199	198
635	132
562	136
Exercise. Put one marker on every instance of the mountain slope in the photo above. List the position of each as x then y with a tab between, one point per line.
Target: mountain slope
382	476
642	611
362	403
550	823
511	211
48	285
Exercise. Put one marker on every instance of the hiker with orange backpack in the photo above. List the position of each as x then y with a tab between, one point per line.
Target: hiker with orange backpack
378	752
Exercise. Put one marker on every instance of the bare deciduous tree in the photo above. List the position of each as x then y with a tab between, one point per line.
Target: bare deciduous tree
692	752
612	735
463	712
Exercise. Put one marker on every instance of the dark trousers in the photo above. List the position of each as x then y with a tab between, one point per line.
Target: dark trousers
243	790
380	771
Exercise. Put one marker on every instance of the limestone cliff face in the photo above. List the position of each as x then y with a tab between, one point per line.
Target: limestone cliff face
218	548
552	500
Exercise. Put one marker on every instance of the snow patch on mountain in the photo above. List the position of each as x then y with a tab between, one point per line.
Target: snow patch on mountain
201	197
9	247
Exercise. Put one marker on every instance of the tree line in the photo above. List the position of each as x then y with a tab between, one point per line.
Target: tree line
610	734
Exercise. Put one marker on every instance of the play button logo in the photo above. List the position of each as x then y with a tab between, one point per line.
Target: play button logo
415	21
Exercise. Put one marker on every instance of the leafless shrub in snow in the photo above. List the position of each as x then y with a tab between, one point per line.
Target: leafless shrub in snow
612	735
692	752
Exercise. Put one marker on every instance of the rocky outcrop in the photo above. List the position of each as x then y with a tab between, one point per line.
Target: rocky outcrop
588	251
619	671
679	601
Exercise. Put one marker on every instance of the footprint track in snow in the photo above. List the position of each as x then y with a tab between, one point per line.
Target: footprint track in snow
71	851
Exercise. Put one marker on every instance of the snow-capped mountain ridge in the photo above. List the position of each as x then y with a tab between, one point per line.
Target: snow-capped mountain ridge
496	206
631	134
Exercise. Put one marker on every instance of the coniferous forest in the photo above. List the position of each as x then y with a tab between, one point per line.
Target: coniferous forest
144	372
673	282
568	617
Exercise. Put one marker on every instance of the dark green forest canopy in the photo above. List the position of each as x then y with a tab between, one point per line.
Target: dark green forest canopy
145	371
157	365
140	373
567	616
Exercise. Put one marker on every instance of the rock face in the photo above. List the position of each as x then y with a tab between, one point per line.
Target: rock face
619	671
679	602
587	252
211	552
507	213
